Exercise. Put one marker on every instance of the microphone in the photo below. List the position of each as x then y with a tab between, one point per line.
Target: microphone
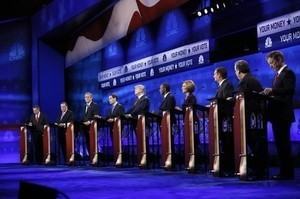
200	88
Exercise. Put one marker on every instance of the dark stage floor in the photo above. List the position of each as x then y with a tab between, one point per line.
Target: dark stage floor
110	182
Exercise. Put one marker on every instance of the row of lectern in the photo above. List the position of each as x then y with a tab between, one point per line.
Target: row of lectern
227	138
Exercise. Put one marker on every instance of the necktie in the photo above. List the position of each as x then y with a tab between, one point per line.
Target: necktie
275	78
62	115
136	101
217	91
86	108
37	117
113	108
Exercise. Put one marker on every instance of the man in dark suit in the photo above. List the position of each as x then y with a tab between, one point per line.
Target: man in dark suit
281	112
247	81
65	117
169	101
37	121
116	110
90	111
225	91
141	104
254	140
225	88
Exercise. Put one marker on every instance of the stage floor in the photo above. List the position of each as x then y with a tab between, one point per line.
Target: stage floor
110	182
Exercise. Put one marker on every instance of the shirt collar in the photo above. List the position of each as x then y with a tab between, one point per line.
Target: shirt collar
115	104
281	69
165	95
221	82
141	96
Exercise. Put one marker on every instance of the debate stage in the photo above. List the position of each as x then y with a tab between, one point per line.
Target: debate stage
110	182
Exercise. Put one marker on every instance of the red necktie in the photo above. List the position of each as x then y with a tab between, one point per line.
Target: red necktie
275	78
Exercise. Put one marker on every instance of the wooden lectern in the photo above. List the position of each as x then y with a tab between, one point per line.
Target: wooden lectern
46	144
70	144
250	136
93	131
167	142
141	142
23	145
221	153
191	141
117	142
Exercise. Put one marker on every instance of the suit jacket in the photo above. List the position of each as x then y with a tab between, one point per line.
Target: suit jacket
283	89
190	100
140	107
117	111
225	90
68	117
167	104
91	112
249	83
38	125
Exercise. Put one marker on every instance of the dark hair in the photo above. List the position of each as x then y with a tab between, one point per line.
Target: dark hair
36	106
222	71
166	86
242	66
113	96
276	55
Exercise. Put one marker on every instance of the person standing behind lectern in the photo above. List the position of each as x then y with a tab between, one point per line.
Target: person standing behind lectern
116	109
37	121
225	88
247	81
169	101
141	104
251	84
89	112
65	117
281	112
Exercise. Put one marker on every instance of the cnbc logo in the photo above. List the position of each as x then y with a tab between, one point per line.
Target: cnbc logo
268	42
16	52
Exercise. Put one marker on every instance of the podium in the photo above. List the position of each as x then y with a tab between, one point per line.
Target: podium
221	153
123	141
23	145
250	136
117	142
141	142
171	139
93	136
70	144
46	144
191	141
147	127
167	142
